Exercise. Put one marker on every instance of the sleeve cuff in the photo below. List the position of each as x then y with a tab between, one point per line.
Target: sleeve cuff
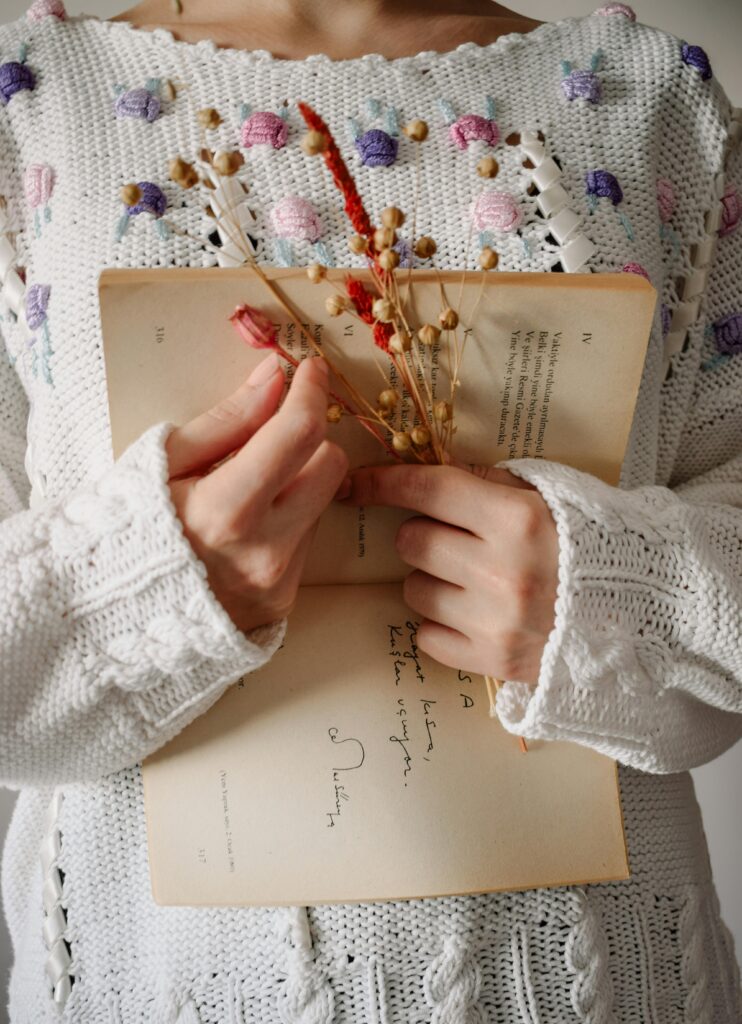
153	626
600	677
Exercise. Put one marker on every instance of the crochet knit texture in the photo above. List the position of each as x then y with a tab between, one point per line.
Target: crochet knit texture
111	640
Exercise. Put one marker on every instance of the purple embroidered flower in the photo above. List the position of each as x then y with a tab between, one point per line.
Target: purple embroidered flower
635	268
140	103
42	8
406	253
731	210
582	85
497	210
728	334
474	127
14	77
622	9
666	319
603	183
666	201
264	127
696	57
377	148
37	300
295	217
153	200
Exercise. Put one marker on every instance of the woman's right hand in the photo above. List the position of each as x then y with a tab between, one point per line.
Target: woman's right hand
251	518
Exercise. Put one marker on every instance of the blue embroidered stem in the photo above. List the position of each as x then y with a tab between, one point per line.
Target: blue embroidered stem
716	361
323	254
627	225
22	53
526	247
153	85
245	111
47	213
36	223
596	59
449	114
354	128
46	353
285	254
392	121
122	226
566	67
490	108
162	228
374	107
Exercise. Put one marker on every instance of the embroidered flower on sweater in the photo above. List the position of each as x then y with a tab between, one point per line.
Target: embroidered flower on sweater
377	147
579	84
731	210
141	103
602	184
41	9
623	10
263	128
697	58
39	184
471	128
16	76
37	302
294	217
143	197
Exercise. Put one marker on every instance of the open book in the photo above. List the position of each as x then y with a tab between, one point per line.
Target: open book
352	766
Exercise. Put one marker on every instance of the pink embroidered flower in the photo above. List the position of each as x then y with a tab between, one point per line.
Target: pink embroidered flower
472	127
496	210
295	217
666	200
264	127
41	8
731	210
39	184
622	9
635	268
254	327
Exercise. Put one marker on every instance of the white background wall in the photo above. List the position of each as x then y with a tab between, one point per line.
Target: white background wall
717	26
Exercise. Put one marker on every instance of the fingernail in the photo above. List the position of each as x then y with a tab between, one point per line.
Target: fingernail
264	371
344	489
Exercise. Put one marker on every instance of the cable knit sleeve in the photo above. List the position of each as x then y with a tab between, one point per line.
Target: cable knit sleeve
111	640
644	662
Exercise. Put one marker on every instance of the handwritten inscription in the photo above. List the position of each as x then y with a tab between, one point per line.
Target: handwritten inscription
340	792
226	818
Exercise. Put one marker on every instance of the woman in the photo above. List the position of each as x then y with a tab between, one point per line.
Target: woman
137	591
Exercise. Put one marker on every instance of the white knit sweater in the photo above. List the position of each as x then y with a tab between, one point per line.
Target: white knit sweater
111	640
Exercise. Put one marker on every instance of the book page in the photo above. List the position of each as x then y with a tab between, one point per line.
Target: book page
551	367
353	766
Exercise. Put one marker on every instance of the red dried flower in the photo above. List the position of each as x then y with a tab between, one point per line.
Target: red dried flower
254	327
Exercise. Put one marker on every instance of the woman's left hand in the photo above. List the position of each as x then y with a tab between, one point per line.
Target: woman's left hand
485	552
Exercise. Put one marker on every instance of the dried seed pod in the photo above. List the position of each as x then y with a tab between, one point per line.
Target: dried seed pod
205	154
402	441
131	195
314	142
420	436
442	411
336	304
384	413
227	163
209	118
384	238
358	244
183	173
334	413
488	167
449	319
392	217
169	90
388	259
316	272
416	130
388	398
425	247
383	309
400	341
429	334
488	258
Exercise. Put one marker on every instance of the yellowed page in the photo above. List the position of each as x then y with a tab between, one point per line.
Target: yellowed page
561	354
552	371
354	767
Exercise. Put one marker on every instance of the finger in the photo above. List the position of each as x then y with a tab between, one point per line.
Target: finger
440	549
496	474
443	492
277	451
438	600
215	433
310	492
448	646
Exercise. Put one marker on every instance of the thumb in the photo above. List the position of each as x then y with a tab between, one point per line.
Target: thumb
216	433
493	473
